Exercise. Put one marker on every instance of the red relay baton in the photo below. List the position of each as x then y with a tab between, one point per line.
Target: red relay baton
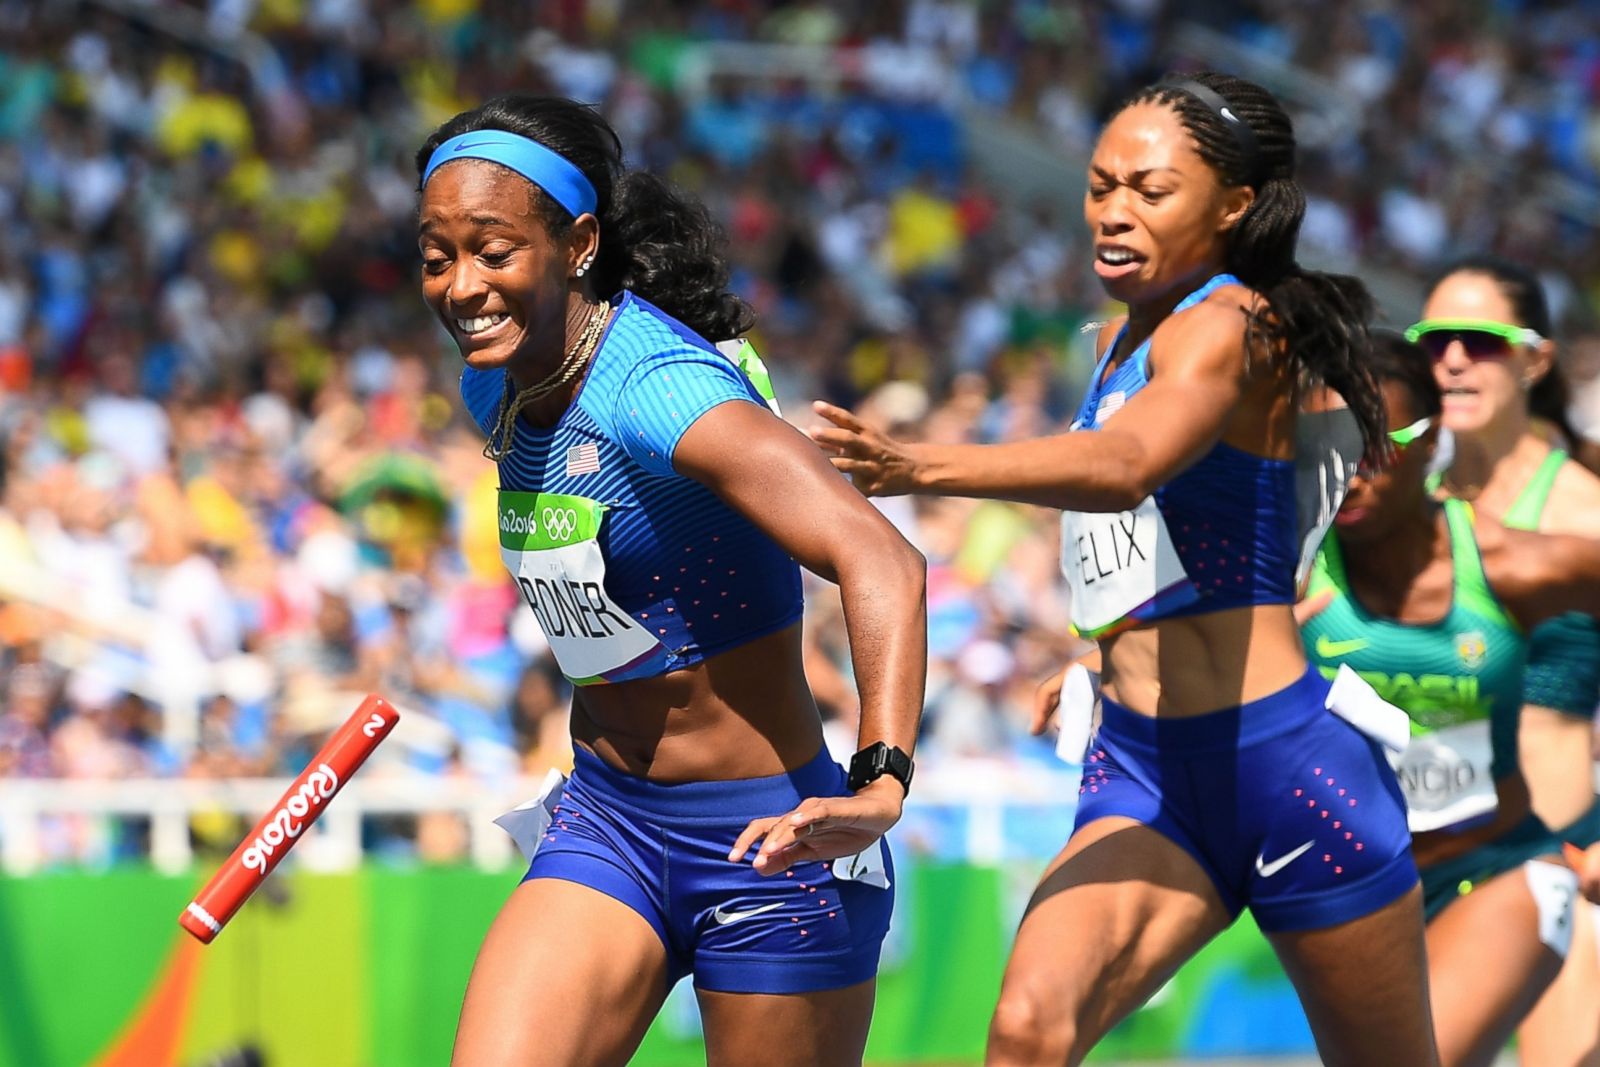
306	798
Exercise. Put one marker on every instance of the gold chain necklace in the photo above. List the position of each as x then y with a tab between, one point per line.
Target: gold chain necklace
498	445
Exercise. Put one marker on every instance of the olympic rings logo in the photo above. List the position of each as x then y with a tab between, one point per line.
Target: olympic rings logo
560	523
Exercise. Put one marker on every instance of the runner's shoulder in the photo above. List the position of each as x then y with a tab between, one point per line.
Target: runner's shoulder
1212	330
1574	501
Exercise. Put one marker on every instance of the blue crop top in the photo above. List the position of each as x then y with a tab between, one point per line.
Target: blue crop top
1231	515
632	569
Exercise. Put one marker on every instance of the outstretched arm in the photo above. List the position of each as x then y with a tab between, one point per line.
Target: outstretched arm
1162	429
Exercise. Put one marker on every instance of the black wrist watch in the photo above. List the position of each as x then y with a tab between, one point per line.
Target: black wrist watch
877	760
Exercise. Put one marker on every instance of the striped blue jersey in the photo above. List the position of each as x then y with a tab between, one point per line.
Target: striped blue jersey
684	566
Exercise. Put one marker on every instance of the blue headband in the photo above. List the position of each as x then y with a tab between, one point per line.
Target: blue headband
548	170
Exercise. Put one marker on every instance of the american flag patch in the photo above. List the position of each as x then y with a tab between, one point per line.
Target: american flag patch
1109	406
583	459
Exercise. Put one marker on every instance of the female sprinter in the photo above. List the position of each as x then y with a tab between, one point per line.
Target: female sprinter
1487	326
1180	539
638	515
1432	608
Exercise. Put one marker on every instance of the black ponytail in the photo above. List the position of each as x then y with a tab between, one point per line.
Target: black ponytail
654	240
1319	320
1550	396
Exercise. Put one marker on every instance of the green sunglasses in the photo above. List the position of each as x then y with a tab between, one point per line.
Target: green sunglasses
1406	435
1481	338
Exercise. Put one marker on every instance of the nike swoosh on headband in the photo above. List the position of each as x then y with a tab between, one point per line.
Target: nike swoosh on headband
543	166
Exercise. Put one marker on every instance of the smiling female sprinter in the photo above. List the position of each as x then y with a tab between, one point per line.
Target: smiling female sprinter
1206	787
639	515
1432	605
1488	328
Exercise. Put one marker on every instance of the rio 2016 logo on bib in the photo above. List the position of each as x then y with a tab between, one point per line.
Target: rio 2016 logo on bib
514	522
559	524
550	544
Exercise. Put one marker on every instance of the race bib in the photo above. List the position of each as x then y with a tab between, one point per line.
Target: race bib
1447	777
1116	563
550	545
528	821
866	866
1555	892
1080	692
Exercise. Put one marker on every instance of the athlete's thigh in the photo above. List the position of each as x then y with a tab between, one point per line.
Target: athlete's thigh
1114	916
826	1029
1563	1030
1364	984
566	977
1486	967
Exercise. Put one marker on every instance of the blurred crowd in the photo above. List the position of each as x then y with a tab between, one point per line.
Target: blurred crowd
238	488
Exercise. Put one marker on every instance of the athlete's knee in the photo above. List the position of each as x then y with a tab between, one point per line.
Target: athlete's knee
1028	1030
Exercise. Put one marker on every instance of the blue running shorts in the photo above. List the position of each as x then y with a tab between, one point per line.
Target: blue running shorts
1289	809
662	849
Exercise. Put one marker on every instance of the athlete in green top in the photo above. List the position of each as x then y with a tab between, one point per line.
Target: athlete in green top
1430	605
1488	328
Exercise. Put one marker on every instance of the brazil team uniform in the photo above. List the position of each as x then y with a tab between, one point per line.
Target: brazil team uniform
634	570
1460	680
1287	807
1563	653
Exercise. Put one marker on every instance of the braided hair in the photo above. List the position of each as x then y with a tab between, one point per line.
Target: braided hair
1318	320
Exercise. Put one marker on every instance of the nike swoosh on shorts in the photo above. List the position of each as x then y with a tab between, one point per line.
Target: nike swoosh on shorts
723	918
1267	870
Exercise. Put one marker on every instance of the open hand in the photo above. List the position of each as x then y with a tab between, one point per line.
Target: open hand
877	463
822	828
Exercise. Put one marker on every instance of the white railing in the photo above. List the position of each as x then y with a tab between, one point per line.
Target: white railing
30	807
986	789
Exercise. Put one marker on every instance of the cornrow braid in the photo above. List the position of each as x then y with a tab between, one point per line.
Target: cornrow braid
1318	320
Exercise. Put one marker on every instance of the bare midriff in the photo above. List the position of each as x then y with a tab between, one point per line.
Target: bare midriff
1189	666
744	713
